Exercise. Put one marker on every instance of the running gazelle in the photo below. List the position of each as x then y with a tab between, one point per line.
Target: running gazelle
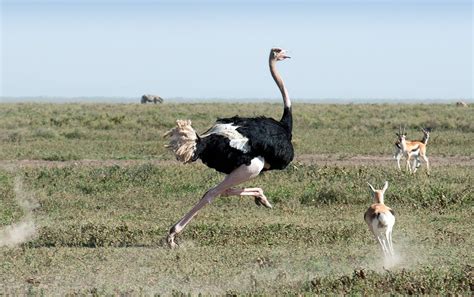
380	219
412	149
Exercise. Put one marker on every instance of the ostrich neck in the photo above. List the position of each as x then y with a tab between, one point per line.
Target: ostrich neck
286	119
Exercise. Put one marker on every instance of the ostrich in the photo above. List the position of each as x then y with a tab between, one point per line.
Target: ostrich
239	147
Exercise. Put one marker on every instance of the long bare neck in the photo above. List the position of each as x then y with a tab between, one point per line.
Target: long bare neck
286	119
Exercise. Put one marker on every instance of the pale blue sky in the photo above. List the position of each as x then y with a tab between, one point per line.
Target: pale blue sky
219	49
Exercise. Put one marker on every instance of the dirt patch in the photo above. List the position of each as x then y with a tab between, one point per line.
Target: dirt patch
11	165
317	159
377	160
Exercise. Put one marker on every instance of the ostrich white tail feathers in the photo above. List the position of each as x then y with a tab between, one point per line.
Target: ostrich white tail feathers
183	140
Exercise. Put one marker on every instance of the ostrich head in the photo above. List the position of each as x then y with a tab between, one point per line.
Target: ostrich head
278	54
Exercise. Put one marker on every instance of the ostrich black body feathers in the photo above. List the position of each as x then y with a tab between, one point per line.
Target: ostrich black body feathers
266	138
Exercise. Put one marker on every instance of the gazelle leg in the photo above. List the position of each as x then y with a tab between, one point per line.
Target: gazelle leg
408	164
427	163
399	156
386	245
415	163
239	175
378	236
381	241
260	198
390	242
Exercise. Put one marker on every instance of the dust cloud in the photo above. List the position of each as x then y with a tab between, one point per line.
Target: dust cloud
409	254
24	230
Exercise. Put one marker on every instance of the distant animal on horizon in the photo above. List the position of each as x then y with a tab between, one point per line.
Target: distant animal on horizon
151	98
412	149
462	104
381	219
399	150
239	147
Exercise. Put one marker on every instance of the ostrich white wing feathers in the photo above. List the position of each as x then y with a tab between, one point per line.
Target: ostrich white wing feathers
237	140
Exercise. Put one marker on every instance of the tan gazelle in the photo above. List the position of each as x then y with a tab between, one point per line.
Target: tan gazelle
380	219
412	149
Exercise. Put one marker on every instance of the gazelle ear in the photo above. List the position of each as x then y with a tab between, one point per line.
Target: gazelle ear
371	188
385	186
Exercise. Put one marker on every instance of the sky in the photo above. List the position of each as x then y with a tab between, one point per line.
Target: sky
382	49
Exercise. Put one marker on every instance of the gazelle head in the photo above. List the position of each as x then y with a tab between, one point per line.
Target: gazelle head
378	195
402	135
278	54
426	132
426	135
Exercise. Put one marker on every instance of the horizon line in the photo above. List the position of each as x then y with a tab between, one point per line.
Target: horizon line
179	99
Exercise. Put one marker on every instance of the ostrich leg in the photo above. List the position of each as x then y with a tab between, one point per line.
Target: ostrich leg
260	198
239	175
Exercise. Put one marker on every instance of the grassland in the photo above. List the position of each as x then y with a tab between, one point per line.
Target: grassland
97	227
130	131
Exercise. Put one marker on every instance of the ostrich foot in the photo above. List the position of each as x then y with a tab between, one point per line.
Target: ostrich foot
170	241
262	201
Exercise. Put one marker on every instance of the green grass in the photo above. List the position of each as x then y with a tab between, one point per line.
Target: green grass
99	229
61	132
108	223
